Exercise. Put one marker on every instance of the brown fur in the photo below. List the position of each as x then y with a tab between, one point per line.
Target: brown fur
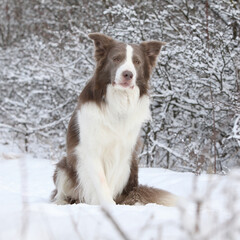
134	193
72	178
144	195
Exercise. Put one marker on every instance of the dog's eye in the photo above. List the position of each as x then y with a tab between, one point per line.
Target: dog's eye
137	61
117	59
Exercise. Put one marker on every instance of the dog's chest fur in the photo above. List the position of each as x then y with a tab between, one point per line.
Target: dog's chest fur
109	134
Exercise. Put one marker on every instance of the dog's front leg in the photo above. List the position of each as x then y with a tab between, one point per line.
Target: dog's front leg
93	182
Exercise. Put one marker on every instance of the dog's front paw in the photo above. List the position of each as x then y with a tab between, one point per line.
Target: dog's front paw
108	202
60	202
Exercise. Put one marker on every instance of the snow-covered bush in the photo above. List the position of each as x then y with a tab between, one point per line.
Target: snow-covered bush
46	58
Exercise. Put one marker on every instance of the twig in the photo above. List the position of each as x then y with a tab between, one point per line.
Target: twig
75	227
25	215
115	224
214	137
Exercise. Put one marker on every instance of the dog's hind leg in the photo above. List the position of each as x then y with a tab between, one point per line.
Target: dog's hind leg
59	195
66	187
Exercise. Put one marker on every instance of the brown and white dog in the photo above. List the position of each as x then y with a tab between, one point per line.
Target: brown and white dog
102	139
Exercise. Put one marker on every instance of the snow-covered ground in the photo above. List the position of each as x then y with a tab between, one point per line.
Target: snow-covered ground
209	209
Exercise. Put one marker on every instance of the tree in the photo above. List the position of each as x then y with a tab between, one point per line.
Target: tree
195	87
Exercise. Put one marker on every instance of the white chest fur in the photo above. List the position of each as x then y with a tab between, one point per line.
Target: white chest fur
107	138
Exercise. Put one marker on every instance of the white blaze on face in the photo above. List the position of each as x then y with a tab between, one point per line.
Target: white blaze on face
127	65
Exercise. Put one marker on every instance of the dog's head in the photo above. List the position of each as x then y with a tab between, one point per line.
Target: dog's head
124	65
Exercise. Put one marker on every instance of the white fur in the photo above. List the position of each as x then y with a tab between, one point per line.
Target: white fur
64	188
107	139
127	66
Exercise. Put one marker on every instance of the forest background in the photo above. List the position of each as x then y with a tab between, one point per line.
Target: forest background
46	58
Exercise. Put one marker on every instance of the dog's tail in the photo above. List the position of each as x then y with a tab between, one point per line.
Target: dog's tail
142	195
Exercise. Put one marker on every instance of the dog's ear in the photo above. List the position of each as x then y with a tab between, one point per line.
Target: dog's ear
152	50
102	43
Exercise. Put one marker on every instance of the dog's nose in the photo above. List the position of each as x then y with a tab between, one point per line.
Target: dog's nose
127	75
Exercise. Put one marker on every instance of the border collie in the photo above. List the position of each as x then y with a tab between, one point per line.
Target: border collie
102	138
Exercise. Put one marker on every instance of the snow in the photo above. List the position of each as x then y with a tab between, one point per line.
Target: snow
26	213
